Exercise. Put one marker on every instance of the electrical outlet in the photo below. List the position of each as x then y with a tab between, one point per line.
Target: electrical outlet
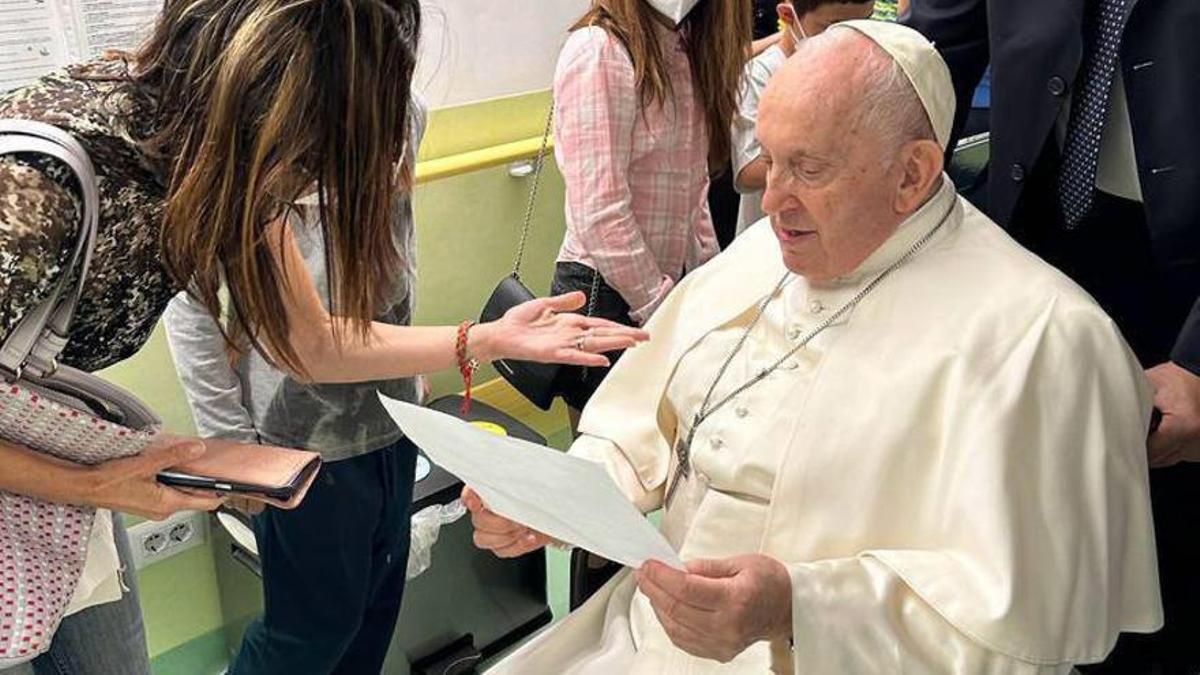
153	541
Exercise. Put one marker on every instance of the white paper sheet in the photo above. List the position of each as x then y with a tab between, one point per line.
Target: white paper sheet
568	498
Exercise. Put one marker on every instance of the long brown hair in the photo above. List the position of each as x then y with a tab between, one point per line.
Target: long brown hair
254	103
717	33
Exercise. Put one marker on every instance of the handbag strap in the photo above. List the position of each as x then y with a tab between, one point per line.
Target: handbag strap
36	342
538	163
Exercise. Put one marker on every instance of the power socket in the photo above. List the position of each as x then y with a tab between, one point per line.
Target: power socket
155	541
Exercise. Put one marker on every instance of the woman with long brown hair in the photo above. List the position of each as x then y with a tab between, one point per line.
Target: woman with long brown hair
644	94
203	140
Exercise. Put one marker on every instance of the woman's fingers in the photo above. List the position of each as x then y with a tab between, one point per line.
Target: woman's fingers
573	357
603	345
614	331
167	501
192	503
594	323
151	461
249	507
567	302
198	492
618	328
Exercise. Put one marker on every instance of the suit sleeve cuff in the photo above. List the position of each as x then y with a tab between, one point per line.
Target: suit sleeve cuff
1186	353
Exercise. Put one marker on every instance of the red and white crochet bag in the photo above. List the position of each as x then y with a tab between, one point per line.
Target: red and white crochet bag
58	411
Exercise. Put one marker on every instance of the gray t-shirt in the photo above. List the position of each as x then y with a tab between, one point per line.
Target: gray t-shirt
254	401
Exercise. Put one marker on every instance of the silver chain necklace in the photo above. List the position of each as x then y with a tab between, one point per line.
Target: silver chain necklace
683	448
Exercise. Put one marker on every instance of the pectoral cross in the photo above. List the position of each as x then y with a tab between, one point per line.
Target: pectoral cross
683	458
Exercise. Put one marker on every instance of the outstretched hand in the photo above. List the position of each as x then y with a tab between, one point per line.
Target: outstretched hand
544	330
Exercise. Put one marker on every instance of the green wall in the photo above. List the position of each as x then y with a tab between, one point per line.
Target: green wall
467	230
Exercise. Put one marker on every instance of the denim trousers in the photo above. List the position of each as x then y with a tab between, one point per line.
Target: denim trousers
334	570
101	640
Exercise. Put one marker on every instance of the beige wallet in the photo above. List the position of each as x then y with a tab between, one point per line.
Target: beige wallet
270	474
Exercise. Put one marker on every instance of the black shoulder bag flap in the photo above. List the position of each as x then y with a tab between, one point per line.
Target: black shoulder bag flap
535	381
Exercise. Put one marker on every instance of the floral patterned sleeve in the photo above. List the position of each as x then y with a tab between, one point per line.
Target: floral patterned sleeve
39	220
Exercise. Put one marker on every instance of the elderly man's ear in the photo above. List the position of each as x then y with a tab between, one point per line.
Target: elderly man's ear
921	163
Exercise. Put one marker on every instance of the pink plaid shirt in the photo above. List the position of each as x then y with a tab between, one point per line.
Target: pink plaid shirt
637	184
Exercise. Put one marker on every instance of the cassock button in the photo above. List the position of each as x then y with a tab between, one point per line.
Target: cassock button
741	411
1017	173
1057	86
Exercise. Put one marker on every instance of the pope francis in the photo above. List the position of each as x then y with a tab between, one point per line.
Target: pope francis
885	437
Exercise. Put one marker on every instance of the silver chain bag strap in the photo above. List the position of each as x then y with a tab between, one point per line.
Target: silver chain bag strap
535	381
59	411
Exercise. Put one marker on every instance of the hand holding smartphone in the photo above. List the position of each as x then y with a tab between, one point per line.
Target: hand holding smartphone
270	474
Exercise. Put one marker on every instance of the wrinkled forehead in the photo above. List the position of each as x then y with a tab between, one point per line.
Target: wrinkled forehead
812	104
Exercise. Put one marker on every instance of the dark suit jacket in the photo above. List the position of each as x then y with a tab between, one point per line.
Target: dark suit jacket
1035	48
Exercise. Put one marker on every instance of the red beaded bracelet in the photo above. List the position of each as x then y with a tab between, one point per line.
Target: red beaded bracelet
466	364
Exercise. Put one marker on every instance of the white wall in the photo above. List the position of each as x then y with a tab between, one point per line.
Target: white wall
472	49
480	49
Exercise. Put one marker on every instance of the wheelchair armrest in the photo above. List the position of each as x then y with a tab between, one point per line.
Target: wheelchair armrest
588	573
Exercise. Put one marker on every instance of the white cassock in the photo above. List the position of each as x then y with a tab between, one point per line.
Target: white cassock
954	474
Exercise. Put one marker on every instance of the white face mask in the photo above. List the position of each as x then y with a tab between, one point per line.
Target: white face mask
797	30
675	10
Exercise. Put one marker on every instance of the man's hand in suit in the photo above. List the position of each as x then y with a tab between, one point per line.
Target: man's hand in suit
1177	395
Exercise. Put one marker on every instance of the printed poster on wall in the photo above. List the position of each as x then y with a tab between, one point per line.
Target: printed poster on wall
37	36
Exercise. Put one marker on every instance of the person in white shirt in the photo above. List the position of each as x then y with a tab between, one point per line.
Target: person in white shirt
802	19
899	443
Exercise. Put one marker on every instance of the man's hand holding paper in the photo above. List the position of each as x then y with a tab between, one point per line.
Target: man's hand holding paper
495	533
567	498
716	609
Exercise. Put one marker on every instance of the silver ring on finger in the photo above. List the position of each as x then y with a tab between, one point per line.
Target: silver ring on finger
581	341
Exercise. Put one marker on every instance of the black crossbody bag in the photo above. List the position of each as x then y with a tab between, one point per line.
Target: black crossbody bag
535	381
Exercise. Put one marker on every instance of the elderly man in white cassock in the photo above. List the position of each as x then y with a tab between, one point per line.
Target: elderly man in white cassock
885	437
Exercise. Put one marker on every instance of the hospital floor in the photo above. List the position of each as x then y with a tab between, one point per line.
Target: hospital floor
558	596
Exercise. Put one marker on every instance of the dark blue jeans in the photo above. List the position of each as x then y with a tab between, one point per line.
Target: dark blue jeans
334	569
